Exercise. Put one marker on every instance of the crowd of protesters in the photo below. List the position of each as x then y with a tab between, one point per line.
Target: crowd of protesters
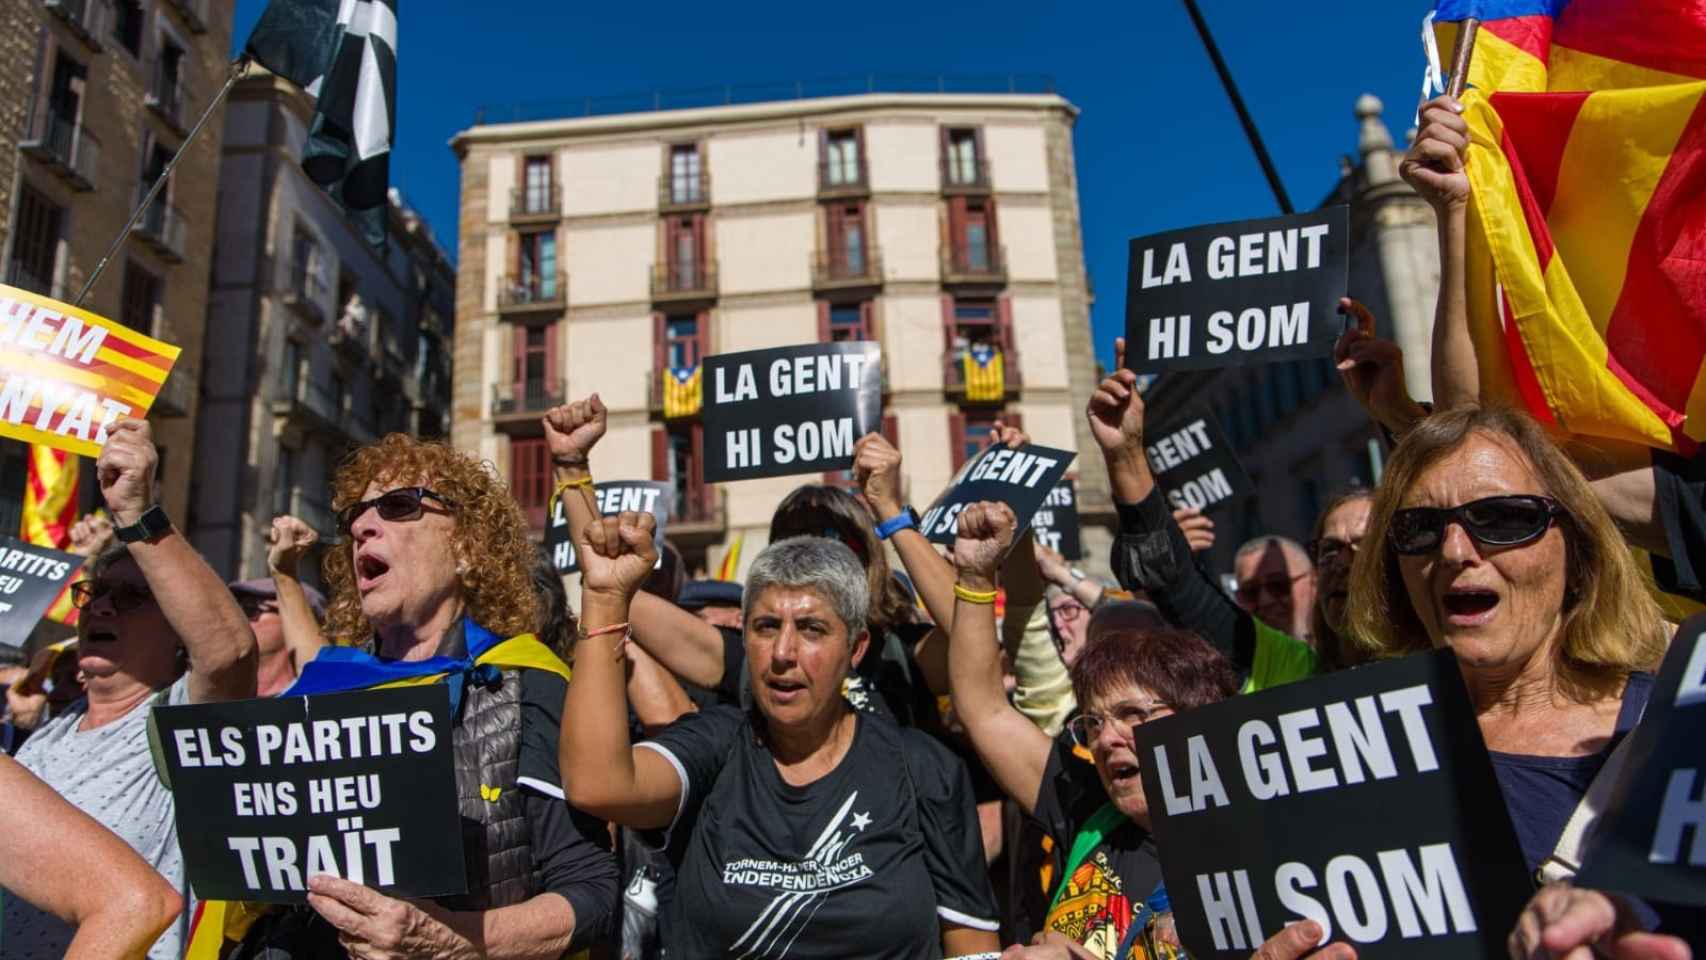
844	756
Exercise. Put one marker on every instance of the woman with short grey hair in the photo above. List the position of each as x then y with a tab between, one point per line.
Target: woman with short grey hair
791	825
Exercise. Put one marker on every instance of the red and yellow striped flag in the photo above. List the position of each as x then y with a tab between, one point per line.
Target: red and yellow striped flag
1587	227
729	569
682	395
50	509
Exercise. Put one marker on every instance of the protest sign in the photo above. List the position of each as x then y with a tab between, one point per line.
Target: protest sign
1652	840
613	497
1055	524
66	374
789	410
31	577
1255	291
1363	800
1020	478
1194	465
357	785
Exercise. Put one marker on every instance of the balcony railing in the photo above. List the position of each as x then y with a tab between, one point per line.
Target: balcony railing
521	293
526	397
959	177
684	191
535	203
974	265
954	371
161	226
168	94
844	269
194	13
19	276
65	145
88	19
684	280
837	178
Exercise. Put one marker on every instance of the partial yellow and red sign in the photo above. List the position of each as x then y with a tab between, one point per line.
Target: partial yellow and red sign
67	374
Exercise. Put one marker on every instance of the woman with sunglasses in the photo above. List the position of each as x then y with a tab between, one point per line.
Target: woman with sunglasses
1109	902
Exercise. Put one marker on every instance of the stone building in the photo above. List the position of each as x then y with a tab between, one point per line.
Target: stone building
95	97
322	343
600	253
1298	432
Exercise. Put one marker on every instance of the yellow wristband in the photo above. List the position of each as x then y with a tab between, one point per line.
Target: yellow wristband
973	596
585	481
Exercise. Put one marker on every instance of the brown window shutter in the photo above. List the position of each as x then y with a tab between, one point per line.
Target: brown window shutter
957	224
1004	322
947	322
702	333
697	489
823	321
957	437
891	429
552	364
942	142
660	454
660	341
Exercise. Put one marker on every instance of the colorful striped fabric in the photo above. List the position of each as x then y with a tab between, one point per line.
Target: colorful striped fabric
1587	228
50	509
729	569
682	396
986	379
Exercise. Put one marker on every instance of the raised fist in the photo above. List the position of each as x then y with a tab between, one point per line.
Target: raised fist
1436	163
617	554
573	429
1116	411
876	468
91	534
125	470
985	531
288	541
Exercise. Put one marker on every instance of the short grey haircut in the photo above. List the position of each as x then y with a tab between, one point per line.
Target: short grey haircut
1263	543
816	563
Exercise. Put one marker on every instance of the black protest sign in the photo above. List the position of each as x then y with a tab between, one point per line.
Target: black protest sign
1055	524
1363	800
1652	840
30	578
774	413
1194	465
356	785
1020	478
1254	291
613	497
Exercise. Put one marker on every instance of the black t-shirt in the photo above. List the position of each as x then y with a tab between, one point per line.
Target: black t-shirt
868	861
1109	887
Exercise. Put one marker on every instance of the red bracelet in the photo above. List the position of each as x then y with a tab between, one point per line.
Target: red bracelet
613	628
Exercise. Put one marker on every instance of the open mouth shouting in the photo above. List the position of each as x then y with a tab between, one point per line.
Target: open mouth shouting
1469	606
1123	774
370	569
98	635
784	690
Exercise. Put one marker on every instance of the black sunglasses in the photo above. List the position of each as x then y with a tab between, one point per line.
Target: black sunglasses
403	503
125	596
1497	521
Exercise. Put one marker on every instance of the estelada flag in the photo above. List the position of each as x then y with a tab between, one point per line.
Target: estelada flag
1587	227
66	374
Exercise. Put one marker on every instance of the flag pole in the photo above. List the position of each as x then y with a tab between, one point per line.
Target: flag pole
239	67
1460	54
1249	124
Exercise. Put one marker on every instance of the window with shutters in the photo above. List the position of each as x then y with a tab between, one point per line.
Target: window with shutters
678	451
971	431
849	322
686	179
843	160
537	195
530	477
536	279
682	342
685	251
140	300
974	322
35	244
847	253
962	157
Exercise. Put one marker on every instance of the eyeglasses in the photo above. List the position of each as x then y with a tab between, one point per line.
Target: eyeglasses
1505	521
1067	612
403	503
123	596
1086	727
1328	549
1251	591
257	607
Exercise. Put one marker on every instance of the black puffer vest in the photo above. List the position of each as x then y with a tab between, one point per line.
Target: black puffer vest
496	842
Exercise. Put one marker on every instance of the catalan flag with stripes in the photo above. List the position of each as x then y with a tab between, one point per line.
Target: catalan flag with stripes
729	569
50	509
1587	227
682	395
66	374
985	378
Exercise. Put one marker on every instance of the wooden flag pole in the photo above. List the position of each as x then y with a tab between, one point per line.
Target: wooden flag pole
1460	54
239	67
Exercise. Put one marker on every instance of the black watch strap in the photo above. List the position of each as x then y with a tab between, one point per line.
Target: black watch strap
152	525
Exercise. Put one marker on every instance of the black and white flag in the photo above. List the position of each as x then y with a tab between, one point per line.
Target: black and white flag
344	54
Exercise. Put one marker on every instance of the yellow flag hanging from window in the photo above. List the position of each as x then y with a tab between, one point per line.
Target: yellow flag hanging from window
985	378
681	393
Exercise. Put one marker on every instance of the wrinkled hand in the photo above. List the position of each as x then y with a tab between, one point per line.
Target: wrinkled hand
617	554
1197	528
1116	411
1373	371
125	470
91	534
1298	941
372	926
1570	923
985	532
288	541
876	469
1436	162
1052	566
573	429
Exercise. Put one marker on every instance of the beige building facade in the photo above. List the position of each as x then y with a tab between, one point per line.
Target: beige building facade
95	97
598	254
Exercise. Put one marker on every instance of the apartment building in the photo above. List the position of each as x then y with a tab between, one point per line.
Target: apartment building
322	343
612	253
95	97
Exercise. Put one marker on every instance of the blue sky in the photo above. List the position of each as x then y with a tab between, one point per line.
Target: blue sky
1157	143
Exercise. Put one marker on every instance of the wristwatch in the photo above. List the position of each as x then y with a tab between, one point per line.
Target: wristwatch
152	525
903	520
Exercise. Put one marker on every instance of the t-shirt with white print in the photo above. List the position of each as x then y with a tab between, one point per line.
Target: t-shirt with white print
867	861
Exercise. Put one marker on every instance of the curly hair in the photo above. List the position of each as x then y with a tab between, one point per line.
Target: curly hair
489	539
820	510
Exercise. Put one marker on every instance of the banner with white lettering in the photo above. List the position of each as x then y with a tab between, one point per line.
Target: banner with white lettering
1363	800
613	497
1254	291
1055	524
31	577
790	410
1652	840
1020	478
357	785
1194	465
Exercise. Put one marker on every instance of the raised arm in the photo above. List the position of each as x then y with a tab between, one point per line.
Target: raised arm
1436	166
288	542
603	774
194	600
876	468
1010	745
1373	372
687	646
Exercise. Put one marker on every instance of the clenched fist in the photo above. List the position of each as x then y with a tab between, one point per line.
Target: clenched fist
985	532
288	541
125	470
573	429
876	468
618	555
